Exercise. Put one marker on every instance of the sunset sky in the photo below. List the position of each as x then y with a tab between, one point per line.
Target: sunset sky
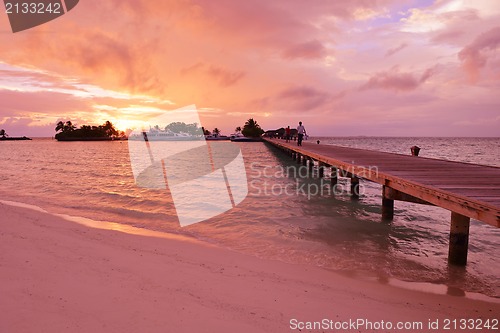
343	67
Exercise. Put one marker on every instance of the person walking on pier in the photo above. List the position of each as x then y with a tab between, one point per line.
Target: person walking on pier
288	131
301	131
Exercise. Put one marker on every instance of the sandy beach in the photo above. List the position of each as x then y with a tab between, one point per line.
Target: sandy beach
60	276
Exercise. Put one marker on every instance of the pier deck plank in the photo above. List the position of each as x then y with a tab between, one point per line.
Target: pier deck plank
468	189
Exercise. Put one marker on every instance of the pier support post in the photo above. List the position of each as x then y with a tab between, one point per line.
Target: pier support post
387	204
304	161
298	158
311	165
294	155
321	169
334	177
459	239
354	186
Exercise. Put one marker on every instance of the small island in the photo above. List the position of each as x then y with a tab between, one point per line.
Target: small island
5	137
251	132
66	131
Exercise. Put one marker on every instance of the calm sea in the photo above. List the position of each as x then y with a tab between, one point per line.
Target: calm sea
94	180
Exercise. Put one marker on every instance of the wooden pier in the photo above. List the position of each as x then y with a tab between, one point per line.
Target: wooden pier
467	190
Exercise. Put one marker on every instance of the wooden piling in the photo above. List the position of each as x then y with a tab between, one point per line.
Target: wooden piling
321	170
334	177
387	204
354	186
459	239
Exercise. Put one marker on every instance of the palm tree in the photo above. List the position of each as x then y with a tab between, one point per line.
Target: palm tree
110	130
237	129
216	131
65	127
60	126
69	126
3	134
205	131
252	129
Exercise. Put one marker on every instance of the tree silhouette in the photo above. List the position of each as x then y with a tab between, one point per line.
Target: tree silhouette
205	131
109	129
68	130
238	129
181	127
69	126
60	126
3	134
65	127
216	131
252	129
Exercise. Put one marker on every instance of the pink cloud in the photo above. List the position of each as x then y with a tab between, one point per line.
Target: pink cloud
139	46
448	36
397	81
36	79
475	55
395	50
19	103
308	50
194	51
224	77
303	98
26	126
301	93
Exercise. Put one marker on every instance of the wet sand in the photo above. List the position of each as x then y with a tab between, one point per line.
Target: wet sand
60	276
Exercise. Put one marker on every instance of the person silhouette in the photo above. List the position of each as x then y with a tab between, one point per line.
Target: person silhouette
301	131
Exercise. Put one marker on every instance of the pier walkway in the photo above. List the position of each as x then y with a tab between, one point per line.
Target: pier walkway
467	190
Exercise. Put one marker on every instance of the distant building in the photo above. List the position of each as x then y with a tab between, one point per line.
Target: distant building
280	133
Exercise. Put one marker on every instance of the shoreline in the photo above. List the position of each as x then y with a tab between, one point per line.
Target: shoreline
64	276
419	286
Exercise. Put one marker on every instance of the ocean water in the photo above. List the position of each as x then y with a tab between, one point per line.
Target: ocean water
277	220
